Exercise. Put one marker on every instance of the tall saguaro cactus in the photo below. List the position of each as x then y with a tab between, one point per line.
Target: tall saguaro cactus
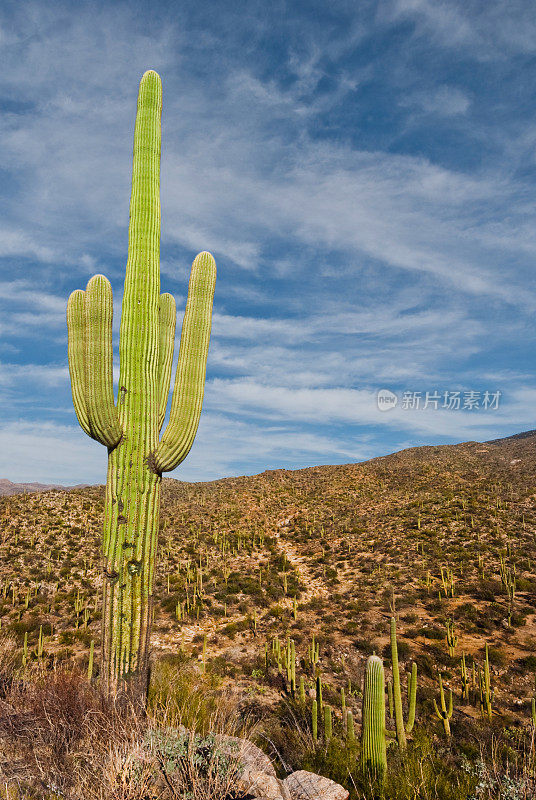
130	428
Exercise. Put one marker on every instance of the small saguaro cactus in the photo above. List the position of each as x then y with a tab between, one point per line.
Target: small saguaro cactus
452	638
130	428
401	728
486	693
443	712
465	678
373	744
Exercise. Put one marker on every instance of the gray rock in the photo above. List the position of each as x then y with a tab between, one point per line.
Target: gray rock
250	756
304	785
259	784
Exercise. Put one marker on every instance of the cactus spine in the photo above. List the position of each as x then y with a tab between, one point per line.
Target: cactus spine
373	747
130	429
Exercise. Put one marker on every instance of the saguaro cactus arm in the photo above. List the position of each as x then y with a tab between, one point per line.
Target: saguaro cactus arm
89	323
99	361
189	388
76	327
168	319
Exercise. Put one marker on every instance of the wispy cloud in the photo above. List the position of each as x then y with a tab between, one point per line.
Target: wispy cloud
366	187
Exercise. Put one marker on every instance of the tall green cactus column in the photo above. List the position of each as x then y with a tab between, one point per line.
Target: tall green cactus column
373	744
130	429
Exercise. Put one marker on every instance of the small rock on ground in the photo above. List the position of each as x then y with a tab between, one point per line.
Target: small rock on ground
304	785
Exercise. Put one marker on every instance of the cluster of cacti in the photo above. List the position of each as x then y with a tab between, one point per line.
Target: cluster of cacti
447	581
509	581
283	657
452	639
130	428
486	693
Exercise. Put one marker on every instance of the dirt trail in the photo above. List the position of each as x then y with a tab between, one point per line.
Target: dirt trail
314	586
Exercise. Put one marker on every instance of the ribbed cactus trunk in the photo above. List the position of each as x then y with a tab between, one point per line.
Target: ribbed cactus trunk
133	488
373	744
131	428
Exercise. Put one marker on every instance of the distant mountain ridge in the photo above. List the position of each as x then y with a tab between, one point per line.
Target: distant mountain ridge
8	488
524	435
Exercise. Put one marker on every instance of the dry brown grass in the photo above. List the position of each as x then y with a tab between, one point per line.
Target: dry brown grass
59	738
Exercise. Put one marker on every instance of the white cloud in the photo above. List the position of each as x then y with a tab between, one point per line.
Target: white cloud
486	30
50	453
358	407
443	101
371	265
37	375
230	181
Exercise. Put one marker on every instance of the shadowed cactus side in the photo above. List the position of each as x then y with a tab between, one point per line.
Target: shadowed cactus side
373	744
131	427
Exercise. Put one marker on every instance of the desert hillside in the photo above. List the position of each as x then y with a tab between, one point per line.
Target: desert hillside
432	535
343	541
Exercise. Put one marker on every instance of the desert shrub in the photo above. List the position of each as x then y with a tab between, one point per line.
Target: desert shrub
497	657
194	766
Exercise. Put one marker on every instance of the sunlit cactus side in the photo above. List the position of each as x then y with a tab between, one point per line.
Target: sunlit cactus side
130	428
373	744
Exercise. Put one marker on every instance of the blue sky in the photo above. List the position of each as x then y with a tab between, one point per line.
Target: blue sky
364	174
